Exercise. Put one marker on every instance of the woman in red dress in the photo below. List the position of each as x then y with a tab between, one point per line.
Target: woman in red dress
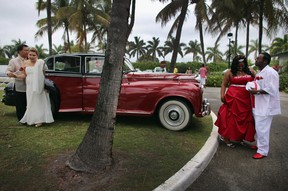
235	119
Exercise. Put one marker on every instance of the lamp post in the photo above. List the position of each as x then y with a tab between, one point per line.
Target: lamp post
229	35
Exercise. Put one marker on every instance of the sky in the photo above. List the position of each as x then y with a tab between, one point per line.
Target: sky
18	21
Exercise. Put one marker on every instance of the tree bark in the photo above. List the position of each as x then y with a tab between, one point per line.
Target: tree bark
49	26
94	154
202	42
261	12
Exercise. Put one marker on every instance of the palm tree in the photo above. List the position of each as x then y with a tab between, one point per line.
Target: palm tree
249	8
275	13
214	54
101	46
193	48
61	12
226	15
58	49
233	47
164	17
279	45
253	47
79	19
41	51
169	47
41	5
9	51
101	21
201	12
2	52
137	47
154	49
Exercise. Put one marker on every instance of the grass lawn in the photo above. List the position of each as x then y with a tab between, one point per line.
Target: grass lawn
147	153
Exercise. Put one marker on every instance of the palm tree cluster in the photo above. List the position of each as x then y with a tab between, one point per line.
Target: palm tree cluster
153	50
222	16
279	45
10	51
218	17
79	16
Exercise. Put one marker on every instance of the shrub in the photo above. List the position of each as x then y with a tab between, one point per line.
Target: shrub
214	80
284	82
4	61
146	65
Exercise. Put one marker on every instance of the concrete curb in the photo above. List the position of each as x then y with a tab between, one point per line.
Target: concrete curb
182	179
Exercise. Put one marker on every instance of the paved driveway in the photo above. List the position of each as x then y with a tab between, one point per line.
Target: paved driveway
236	170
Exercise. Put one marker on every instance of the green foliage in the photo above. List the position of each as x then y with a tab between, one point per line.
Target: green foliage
284	82
4	61
214	79
217	67
146	65
284	78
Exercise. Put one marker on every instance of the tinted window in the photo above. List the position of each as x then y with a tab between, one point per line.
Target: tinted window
67	64
49	63
64	64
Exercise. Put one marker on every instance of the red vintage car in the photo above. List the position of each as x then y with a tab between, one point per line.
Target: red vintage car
74	83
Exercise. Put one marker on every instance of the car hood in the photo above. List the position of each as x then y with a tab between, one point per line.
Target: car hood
141	76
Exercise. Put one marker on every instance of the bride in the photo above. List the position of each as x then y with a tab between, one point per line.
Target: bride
38	109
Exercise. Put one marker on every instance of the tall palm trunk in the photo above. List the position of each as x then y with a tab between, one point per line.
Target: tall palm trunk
202	42
68	37
49	26
261	12
178	34
247	38
235	40
95	151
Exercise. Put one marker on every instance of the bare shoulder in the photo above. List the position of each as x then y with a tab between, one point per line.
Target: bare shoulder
228	72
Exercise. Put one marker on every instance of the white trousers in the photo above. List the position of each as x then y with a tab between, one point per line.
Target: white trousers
263	126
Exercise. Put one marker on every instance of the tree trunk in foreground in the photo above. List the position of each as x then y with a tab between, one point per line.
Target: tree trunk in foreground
94	154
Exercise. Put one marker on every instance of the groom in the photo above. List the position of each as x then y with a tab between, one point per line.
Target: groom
267	103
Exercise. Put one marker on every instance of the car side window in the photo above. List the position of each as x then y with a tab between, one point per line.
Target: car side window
68	64
94	65
49	62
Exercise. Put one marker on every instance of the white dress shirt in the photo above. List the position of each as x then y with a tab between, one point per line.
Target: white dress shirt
268	104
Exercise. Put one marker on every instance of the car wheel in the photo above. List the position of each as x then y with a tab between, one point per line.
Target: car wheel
175	115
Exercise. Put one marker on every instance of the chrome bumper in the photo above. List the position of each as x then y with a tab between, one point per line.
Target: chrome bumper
206	108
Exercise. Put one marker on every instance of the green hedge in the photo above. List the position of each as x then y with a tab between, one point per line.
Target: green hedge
284	82
182	66
4	61
215	80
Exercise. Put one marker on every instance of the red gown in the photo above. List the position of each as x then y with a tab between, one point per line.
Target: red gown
235	119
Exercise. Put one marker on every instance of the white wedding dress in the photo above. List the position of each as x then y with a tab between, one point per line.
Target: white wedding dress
38	102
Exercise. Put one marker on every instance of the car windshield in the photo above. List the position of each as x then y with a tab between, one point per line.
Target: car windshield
128	67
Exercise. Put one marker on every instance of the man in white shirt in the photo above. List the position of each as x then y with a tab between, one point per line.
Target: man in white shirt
267	103
15	66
